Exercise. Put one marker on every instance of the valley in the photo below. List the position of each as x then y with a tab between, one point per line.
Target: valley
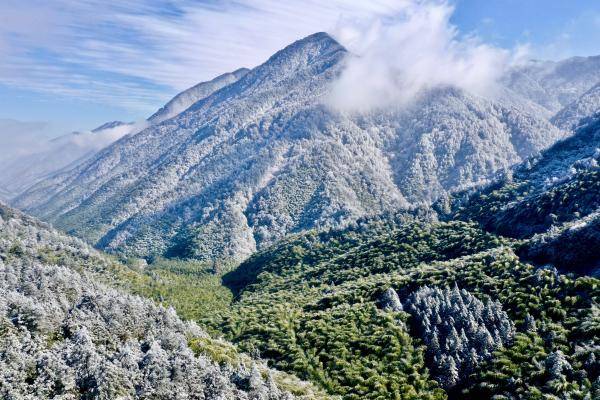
249	240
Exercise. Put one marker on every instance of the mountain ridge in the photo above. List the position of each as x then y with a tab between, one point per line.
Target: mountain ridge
266	155
584	106
188	97
554	84
550	202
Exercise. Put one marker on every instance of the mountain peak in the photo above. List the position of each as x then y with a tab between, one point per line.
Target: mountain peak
320	41
319	37
316	52
110	125
314	46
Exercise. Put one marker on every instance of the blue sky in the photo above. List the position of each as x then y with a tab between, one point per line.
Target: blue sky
79	63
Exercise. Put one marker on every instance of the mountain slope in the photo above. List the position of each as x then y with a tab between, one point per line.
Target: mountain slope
349	309
63	335
265	156
198	92
585	106
67	151
553	201
554	85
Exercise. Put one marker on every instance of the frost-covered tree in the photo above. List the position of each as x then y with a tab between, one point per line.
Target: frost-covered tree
391	301
65	336
459	330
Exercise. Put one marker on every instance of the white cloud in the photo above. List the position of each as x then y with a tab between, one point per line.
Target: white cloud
27	153
403	54
23	139
100	139
138	53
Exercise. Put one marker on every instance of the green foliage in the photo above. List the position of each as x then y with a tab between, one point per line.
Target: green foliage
16	250
516	370
221	352
308	304
189	286
337	257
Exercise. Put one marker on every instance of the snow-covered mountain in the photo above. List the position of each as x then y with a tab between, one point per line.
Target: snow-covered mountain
554	85
110	125
585	106
188	97
65	152
265	155
552	201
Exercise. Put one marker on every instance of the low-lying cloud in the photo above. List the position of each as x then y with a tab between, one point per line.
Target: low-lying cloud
398	57
20	138
23	139
28	156
102	138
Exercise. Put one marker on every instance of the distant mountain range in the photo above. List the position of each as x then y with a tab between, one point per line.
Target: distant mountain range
263	155
21	171
554	85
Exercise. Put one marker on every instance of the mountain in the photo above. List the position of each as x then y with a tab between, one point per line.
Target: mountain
554	85
65	152
585	106
63	334
185	99
266	155
551	202
22	171
110	125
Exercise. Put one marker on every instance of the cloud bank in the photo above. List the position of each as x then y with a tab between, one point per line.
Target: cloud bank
99	139
26	156
24	139
399	56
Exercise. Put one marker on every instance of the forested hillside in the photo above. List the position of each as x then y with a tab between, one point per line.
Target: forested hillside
64	335
551	202
405	307
267	155
417	311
